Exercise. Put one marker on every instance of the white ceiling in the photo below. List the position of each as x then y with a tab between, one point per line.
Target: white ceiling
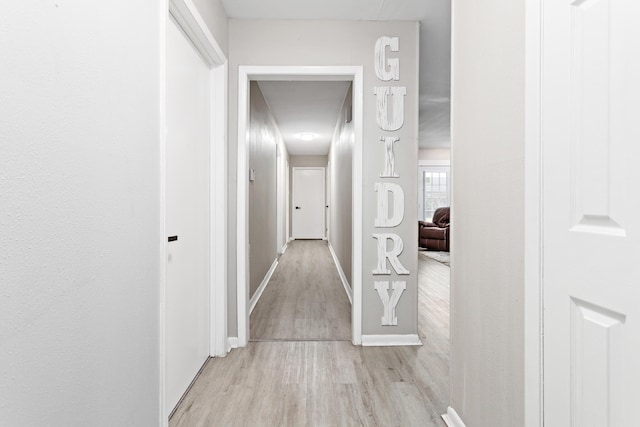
435	43
301	107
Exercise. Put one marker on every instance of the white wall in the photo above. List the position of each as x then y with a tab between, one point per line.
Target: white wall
80	213
487	326
214	15
308	161
437	154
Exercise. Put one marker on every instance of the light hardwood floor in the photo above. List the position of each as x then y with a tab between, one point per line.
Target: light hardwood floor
332	383
304	299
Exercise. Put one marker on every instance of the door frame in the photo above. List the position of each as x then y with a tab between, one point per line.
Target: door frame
324	189
186	15
533	230
246	74
281	190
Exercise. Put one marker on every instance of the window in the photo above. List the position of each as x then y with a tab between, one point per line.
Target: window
434	190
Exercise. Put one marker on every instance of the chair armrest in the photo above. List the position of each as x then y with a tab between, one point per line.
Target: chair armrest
426	224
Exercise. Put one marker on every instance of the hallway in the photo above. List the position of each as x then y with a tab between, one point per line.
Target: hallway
304	299
321	383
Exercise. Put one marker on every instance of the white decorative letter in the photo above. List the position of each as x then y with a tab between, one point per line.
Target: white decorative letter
384	191
392	254
397	115
389	304
390	159
381	59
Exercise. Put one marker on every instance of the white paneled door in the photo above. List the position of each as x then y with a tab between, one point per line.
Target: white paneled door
308	203
591	157
187	214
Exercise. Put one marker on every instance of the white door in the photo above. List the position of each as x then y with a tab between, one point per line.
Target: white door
308	203
327	200
187	215
591	153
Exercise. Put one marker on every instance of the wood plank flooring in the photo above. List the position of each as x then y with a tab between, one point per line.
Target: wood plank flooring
304	299
332	383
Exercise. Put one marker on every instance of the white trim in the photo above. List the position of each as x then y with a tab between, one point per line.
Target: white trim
434	163
281	190
232	342
263	285
356	207
218	211
284	248
390	340
452	283
287	207
189	20
298	73
186	15
343	278
534	245
162	360
324	201
242	263
452	419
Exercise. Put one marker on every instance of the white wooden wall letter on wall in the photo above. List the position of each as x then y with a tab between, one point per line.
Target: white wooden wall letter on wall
385	191
390	158
394	120
387	69
390	197
391	255
389	303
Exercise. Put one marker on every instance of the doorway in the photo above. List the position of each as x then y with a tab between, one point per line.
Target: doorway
308	220
192	202
245	174
187	213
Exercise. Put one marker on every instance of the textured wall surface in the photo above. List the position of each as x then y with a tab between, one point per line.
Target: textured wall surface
487	325
79	213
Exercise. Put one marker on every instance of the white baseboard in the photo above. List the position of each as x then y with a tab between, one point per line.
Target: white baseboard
232	342
390	340
452	419
284	248
256	296
343	278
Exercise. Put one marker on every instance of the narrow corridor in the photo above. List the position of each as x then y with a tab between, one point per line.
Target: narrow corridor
305	299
